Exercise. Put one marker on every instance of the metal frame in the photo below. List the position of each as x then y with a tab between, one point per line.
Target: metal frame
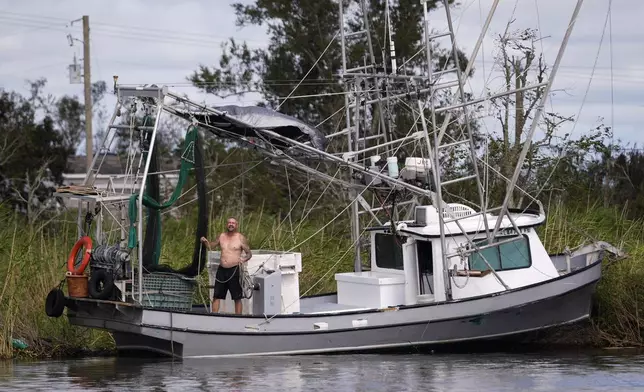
434	143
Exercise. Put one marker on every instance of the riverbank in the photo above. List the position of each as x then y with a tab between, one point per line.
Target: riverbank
34	262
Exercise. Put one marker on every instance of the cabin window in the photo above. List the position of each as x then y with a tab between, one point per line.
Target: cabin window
389	251
508	256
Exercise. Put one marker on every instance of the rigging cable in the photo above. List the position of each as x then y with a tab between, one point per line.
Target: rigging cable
340	259
212	190
610	2
309	71
612	95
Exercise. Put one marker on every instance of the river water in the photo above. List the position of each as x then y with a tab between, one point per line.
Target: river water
603	371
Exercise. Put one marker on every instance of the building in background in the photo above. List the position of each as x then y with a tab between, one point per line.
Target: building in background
112	175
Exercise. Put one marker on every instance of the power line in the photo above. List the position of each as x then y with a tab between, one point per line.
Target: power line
184	41
121	31
42	66
189	38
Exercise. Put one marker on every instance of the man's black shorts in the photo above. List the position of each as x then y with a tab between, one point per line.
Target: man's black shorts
227	279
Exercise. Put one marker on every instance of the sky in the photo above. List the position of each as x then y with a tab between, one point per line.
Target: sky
163	42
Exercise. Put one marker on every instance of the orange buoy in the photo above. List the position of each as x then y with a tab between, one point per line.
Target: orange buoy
85	242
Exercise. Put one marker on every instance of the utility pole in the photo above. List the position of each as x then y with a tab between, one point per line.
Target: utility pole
88	92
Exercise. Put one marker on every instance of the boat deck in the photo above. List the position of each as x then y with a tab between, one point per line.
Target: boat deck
326	304
329	308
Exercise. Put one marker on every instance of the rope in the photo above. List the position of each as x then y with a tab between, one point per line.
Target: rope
325	94
199	287
332	268
331	116
246	282
161	172
227	280
213	167
244	279
267	320
290	199
612	96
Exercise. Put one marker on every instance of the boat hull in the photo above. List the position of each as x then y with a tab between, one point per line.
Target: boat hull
556	302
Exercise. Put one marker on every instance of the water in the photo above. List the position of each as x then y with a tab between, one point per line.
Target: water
606	371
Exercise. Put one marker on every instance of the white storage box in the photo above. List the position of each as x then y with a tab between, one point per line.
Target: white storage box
416	168
290	265
370	289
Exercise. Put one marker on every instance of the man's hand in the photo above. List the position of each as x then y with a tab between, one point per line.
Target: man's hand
246	249
204	240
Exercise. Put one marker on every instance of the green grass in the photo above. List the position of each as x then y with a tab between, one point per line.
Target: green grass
35	257
617	316
34	262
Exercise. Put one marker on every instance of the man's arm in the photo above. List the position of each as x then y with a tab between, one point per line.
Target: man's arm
246	249
209	244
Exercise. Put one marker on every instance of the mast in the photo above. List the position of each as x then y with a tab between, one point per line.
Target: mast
352	132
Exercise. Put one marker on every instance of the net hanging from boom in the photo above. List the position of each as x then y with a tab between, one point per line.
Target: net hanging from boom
191	157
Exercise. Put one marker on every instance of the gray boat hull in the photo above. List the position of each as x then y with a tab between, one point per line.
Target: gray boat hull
563	300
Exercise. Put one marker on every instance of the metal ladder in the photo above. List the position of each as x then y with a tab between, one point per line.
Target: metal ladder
112	134
363	87
359	81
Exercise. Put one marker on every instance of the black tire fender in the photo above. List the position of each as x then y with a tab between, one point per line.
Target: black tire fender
97	277
55	303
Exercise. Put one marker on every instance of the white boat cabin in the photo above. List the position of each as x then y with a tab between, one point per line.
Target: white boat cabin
407	267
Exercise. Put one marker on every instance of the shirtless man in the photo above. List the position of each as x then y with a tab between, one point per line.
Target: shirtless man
232	244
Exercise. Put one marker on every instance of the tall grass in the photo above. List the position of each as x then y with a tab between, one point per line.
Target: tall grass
324	251
34	259
33	262
617	318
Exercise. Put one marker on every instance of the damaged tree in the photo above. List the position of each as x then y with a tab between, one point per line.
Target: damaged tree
522	66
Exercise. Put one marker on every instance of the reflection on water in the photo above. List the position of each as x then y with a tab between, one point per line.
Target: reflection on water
484	372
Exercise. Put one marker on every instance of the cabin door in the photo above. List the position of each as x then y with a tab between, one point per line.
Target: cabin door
425	267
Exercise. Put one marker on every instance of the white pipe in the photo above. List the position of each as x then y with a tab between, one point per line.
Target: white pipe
140	201
470	64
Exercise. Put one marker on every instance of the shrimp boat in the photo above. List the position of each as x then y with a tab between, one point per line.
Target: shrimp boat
439	271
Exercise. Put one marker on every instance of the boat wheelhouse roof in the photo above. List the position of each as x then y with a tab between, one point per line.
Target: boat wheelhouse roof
472	225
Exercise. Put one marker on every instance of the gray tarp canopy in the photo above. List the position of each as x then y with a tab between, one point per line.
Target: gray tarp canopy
246	120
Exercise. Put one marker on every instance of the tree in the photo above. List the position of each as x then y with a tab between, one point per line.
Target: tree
34	153
304	41
522	66
99	112
303	59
